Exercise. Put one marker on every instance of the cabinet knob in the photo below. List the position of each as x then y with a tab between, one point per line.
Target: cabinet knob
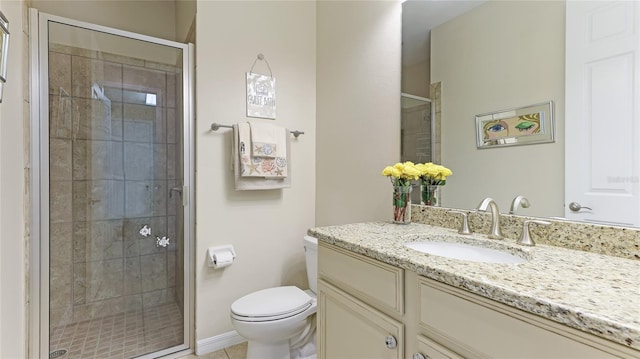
391	342
420	356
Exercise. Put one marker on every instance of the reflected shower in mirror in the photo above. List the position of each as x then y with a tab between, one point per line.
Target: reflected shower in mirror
417	135
417	129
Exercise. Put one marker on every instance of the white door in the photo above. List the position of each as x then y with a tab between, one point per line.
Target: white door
602	155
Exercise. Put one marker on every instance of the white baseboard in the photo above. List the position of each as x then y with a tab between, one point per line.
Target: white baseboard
210	345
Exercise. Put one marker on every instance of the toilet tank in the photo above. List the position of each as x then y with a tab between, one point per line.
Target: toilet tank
311	254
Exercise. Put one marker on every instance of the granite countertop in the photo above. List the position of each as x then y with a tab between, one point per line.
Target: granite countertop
595	293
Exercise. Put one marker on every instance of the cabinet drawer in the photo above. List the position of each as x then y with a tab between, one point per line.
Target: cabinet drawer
349	328
374	282
433	350
479	327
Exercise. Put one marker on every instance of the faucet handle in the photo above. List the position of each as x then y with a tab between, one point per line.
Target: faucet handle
525	237
464	227
517	202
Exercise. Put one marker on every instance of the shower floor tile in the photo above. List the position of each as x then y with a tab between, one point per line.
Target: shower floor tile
124	335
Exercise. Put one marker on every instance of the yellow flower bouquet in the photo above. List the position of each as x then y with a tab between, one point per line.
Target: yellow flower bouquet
401	175
431	177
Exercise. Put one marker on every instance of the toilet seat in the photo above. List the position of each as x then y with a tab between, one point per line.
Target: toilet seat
271	304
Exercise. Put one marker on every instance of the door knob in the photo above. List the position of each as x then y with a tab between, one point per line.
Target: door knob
576	207
419	356
391	342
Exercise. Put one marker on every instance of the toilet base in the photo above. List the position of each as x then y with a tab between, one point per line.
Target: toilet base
258	350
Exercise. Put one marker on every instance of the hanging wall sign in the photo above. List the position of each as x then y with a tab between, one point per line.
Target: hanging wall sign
261	93
261	96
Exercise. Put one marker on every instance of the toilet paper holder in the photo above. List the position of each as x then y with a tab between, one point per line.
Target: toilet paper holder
221	256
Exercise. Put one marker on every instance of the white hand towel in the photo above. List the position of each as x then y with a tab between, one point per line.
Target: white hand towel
264	139
258	166
254	183
282	154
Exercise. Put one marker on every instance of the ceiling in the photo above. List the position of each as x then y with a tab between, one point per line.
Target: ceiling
419	17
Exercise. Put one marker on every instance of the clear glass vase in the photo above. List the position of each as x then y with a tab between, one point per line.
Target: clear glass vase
402	204
430	194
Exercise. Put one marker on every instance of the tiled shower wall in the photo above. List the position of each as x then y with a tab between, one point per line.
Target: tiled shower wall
416	133
112	165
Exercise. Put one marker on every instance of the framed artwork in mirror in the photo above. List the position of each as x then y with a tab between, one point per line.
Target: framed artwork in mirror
519	126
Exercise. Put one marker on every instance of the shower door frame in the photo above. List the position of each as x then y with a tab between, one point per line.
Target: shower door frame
432	125
38	281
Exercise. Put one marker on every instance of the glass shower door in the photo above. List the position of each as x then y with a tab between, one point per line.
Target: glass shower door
116	228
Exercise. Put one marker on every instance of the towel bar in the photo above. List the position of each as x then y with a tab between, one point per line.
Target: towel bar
217	126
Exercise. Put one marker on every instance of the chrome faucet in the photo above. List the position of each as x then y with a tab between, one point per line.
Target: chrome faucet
487	203
517	202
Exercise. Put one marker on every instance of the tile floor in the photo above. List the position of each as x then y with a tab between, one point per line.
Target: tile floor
234	352
120	336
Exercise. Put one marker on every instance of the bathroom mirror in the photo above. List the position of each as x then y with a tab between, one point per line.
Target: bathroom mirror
490	56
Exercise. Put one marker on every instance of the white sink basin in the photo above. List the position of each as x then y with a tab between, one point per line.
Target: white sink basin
465	252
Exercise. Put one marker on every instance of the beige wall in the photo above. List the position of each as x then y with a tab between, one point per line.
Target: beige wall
265	227
185	16
416	79
501	55
157	18
358	101
12	190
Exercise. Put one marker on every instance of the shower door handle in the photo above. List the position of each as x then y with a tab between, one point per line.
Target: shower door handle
175	189
181	190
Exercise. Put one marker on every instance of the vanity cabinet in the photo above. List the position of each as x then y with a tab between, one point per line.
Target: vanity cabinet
354	329
370	309
360	302
476	327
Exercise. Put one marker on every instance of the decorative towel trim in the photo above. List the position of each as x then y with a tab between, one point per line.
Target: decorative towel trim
263	167
261	149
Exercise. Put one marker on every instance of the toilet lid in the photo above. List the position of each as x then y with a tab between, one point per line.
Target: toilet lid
271	302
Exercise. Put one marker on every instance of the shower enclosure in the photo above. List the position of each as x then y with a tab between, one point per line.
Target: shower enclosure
112	156
416	129
417	134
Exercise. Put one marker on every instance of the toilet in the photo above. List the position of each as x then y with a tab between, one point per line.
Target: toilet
279	322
